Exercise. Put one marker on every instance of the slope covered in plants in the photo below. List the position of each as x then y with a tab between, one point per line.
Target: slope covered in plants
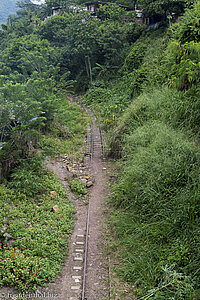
151	114
144	86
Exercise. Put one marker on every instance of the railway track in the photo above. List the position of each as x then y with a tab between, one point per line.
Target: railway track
95	149
86	273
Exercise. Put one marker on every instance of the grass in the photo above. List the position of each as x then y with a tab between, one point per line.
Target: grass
178	109
157	202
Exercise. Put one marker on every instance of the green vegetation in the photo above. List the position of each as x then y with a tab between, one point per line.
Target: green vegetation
35	117
38	233
78	187
144	87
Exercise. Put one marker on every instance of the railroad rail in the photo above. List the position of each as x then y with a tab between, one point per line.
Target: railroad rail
95	148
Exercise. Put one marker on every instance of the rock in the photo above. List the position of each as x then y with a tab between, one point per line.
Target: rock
9	239
86	177
89	184
83	180
8	236
30	225
53	193
1	229
69	168
55	208
10	243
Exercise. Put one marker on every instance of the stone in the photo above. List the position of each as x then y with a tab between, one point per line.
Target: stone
75	287
77	268
53	193
55	208
79	243
89	184
78	258
83	180
69	168
8	236
79	250
9	239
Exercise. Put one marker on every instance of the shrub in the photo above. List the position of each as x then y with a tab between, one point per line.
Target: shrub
78	187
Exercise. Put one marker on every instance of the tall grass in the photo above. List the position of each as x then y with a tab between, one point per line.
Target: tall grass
178	109
158	196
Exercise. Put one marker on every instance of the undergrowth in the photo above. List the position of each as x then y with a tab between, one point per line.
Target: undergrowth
66	132
36	215
157	202
39	234
78	187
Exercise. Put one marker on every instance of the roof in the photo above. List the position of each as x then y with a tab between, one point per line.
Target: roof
107	3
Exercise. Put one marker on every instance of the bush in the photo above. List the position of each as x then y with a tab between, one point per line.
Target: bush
187	29
78	187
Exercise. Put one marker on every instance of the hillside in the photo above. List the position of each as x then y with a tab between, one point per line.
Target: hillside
7	7
143	86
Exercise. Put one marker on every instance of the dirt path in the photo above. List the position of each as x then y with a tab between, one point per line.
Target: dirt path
69	285
97	285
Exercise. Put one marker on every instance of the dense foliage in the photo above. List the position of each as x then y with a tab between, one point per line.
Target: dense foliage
34	114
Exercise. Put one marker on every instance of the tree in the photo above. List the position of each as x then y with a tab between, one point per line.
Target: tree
189	28
162	7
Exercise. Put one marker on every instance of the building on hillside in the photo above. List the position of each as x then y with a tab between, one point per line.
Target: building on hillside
93	7
58	10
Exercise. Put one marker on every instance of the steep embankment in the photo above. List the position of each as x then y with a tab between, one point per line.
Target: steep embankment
156	198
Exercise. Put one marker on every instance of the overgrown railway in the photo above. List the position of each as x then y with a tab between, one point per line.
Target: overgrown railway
95	148
85	274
